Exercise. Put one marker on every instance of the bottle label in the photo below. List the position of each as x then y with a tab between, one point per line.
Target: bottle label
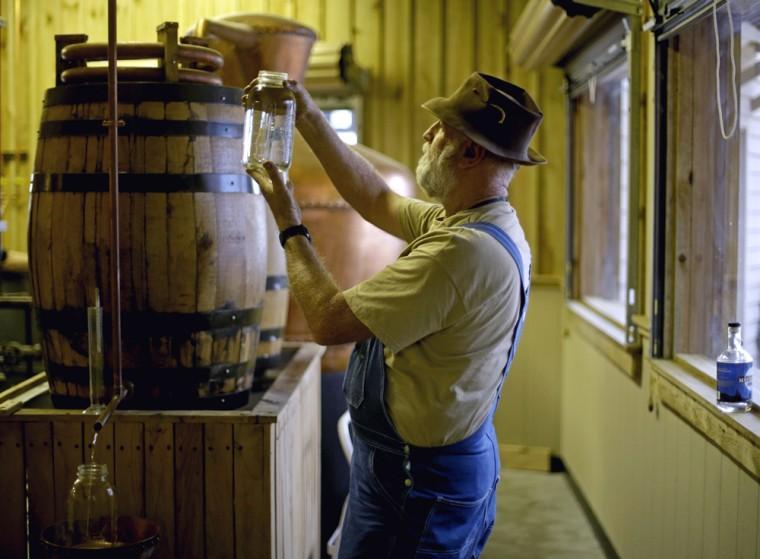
735	379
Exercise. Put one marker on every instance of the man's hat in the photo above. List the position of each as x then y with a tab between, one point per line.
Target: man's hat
496	114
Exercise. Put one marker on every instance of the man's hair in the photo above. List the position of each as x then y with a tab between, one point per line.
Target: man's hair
507	166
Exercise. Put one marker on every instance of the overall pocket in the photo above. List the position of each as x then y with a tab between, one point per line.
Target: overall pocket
353	382
452	528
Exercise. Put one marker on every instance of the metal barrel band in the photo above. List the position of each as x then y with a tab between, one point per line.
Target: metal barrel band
148	324
144	182
193	376
141	127
142	92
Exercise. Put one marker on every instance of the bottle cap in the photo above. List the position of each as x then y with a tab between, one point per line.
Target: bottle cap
734	324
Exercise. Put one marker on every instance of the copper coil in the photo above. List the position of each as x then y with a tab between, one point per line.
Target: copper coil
188	75
205	57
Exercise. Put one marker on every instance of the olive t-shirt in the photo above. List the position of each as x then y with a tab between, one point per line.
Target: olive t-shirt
445	311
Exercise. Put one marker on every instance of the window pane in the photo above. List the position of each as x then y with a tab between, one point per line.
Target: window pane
749	197
600	151
715	192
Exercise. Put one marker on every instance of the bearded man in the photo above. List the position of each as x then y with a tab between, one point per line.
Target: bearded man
437	329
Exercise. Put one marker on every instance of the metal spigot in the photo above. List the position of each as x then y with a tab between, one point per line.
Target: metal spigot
105	415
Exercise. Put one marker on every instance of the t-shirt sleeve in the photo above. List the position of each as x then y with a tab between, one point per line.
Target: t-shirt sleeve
406	301
416	217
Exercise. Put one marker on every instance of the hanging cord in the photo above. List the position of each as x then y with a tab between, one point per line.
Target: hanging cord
733	70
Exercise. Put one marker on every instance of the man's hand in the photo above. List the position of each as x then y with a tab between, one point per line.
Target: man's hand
278	194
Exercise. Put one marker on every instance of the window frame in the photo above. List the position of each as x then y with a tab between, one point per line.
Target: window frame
620	42
675	17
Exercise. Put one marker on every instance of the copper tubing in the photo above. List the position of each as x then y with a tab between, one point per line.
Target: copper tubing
113	188
185	75
207	57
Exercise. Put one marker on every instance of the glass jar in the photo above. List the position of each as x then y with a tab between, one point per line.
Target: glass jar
270	116
91	508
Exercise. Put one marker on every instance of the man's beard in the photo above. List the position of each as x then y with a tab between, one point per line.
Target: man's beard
436	176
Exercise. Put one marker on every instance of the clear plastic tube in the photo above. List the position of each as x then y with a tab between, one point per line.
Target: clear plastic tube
95	347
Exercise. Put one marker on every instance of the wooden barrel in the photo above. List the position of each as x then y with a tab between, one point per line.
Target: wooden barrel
193	242
276	297
251	42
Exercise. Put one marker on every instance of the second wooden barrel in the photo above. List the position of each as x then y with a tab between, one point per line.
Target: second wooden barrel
193	243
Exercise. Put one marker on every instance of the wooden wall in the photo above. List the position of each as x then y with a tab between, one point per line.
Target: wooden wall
414	49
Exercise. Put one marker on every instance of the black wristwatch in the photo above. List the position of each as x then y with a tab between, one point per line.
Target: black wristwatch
292	231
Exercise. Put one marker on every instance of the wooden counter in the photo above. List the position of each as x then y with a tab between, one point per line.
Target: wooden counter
226	484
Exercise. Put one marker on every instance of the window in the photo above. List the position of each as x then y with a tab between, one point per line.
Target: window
601	187
604	263
344	122
710	184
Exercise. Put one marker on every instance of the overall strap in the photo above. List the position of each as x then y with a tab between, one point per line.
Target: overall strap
509	245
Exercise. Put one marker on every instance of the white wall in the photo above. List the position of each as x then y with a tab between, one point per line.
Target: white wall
658	487
529	412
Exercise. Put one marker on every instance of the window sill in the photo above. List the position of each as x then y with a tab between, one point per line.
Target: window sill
686	386
607	336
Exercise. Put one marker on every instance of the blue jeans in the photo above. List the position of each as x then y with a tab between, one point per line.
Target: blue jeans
447	510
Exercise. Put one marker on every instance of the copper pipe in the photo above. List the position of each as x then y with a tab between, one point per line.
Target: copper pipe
113	188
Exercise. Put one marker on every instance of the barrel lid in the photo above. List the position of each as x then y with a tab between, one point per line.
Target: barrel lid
135	92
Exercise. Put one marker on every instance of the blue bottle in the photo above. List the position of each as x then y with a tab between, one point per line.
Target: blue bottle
734	373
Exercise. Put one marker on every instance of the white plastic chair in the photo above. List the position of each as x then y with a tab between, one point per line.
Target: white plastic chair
344	437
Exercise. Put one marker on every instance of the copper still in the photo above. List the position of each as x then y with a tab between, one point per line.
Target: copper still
352	248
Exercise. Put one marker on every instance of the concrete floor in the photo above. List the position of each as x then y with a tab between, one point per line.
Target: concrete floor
539	517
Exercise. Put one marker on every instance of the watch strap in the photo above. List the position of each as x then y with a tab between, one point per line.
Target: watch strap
292	231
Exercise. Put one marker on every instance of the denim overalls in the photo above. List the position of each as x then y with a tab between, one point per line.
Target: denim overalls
408	501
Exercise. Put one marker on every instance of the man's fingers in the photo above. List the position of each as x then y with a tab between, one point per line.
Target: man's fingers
274	174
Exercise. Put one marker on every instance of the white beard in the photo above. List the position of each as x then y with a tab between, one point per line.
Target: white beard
435	176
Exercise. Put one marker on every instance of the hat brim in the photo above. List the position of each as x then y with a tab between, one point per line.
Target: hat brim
439	106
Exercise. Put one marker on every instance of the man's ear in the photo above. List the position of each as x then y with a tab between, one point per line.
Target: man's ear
472	154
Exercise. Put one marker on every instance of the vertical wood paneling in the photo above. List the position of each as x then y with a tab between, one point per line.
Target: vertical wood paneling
130	472
159	483
683	481
694	542
104	452
428	68
728	510
658	483
251	443
669	466
747	517
12	490
67	456
220	496
38	456
459	45
711	502
491	36
337	21
188	477
396	90
309	12
367	39
549	254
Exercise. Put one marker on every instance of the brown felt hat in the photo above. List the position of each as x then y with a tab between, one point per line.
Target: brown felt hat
496	114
